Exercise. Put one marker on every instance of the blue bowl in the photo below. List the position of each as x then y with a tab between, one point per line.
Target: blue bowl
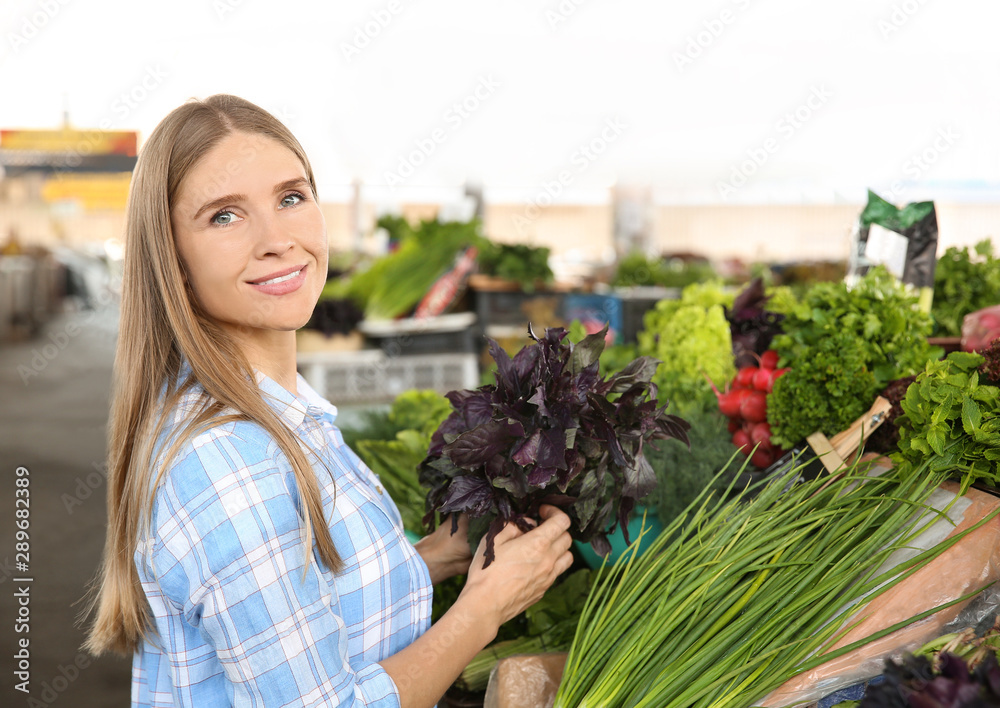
653	528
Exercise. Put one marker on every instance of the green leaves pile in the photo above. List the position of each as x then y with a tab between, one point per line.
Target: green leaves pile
691	338
844	346
951	416
636	269
394	284
526	265
965	280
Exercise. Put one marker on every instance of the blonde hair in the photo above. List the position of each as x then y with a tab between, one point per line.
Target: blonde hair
161	322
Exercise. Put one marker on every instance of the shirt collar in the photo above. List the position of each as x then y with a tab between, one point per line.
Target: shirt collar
292	409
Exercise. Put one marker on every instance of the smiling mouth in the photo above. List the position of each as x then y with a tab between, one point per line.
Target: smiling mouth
279	279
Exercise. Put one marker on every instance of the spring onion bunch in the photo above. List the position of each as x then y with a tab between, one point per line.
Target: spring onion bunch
735	598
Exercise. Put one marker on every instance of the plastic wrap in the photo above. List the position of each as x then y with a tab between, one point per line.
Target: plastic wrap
525	681
973	562
979	328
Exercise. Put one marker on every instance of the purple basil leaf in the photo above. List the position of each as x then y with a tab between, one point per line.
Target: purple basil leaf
640	370
473	495
640	479
525	452
473	448
601	545
539	477
496	526
588	351
552	449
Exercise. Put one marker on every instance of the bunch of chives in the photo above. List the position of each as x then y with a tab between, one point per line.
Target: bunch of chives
734	598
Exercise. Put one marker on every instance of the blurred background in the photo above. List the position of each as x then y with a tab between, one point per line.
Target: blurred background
562	161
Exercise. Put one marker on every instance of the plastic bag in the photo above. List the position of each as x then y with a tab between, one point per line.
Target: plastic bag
979	328
973	562
526	681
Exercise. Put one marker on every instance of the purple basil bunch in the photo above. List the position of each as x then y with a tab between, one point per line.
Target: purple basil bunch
551	431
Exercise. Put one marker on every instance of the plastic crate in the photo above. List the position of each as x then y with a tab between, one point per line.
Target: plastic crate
372	376
636	302
445	334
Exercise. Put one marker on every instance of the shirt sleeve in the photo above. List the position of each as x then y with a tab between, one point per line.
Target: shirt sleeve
229	555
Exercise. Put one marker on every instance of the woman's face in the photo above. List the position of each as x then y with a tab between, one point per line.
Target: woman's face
251	237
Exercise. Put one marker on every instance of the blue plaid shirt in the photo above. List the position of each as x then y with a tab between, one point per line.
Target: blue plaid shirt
236	623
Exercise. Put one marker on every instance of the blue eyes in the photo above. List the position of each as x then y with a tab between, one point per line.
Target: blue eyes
225	217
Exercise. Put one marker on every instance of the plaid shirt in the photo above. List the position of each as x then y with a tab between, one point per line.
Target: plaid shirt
236	622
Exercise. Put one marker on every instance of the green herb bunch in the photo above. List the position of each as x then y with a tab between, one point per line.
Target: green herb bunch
965	280
691	338
844	346
526	265
635	269
952	417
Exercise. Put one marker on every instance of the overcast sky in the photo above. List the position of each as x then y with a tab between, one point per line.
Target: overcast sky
724	101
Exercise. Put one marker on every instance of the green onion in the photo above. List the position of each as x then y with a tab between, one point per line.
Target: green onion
735	598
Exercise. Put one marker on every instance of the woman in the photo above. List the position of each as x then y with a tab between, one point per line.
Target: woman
251	557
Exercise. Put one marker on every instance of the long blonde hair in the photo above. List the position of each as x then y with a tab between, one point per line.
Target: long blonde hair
161	322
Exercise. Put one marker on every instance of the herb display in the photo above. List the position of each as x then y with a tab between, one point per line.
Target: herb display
843	346
683	472
690	336
394	456
526	265
953	418
737	597
550	431
885	438
752	327
965	280
825	390
635	269
395	283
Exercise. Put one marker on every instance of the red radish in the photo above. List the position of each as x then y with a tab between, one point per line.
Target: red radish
734	424
762	380
742	441
729	403
762	458
753	407
744	377
769	359
760	434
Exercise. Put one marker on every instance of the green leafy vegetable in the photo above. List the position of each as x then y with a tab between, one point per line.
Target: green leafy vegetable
691	338
635	269
526	265
953	418
965	280
844	346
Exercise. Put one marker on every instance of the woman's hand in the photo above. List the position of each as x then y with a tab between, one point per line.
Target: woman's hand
446	554
525	566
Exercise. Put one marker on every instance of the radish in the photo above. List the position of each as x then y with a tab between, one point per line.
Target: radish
742	441
744	377
753	407
734	424
760	434
769	359
762	380
762	458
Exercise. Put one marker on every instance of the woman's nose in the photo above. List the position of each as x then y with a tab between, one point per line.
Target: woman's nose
272	238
